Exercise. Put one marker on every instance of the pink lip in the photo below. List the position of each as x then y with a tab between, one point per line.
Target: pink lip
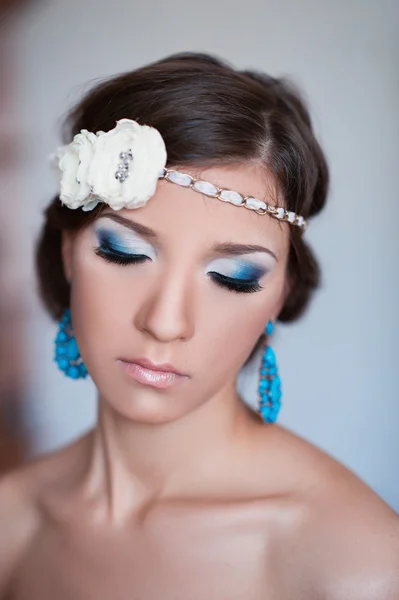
144	371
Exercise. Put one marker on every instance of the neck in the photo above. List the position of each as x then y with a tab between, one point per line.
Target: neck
133	463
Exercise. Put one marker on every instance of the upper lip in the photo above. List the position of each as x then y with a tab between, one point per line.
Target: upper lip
148	364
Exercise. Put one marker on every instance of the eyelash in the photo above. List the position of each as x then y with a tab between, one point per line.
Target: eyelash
119	258
234	285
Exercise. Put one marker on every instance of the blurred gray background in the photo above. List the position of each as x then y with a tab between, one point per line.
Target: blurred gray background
340	363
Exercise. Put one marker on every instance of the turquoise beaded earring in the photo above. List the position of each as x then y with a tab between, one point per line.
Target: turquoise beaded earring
269	382
67	355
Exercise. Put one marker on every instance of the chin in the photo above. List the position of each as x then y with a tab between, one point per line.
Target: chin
141	403
145	406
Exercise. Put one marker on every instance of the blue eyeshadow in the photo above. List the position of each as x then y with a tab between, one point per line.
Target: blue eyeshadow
112	241
247	272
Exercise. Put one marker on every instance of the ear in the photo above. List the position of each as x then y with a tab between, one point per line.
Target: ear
67	251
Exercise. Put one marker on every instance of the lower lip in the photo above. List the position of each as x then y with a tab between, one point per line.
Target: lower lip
158	379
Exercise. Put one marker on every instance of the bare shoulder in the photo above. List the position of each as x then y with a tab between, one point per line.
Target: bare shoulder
350	536
19	520
356	536
22	495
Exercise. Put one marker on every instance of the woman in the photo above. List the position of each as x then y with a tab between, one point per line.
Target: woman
164	285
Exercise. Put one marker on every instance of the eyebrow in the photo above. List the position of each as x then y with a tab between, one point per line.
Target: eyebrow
224	248
137	227
238	249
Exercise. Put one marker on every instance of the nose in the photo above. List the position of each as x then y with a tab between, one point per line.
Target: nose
167	311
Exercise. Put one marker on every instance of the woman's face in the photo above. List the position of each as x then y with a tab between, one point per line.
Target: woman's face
187	282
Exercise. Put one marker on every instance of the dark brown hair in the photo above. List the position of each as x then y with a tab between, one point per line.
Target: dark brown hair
208	114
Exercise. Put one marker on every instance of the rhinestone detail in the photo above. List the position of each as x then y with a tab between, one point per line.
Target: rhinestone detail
123	168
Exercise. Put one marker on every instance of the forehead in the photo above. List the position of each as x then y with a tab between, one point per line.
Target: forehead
183	215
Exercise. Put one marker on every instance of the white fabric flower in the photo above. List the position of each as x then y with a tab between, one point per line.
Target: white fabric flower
73	162
148	160
93	171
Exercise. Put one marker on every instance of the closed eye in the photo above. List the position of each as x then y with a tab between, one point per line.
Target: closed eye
245	286
237	274
119	248
120	258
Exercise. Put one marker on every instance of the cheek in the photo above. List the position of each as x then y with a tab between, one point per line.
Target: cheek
101	303
229	325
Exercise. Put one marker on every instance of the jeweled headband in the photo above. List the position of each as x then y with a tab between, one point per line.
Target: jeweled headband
122	167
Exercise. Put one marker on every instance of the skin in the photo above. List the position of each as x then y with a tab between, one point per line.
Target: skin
185	493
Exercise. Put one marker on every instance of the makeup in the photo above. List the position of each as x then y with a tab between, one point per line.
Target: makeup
237	274
145	372
121	245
